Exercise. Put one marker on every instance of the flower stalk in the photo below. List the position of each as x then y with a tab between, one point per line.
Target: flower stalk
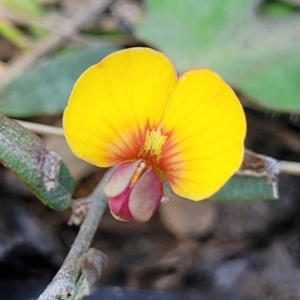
63	284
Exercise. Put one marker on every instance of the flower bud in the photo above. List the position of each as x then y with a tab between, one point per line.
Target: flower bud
134	191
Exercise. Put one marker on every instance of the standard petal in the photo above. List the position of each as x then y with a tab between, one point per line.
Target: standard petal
114	102
206	126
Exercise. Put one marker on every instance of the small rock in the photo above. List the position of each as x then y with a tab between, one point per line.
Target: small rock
188	219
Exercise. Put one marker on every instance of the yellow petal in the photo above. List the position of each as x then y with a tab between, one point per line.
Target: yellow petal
206	127
114	102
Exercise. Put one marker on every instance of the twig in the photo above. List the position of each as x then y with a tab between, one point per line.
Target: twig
42	129
91	265
289	167
286	167
69	26
63	284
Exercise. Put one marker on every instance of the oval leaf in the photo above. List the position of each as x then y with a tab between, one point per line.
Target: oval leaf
245	188
40	169
45	88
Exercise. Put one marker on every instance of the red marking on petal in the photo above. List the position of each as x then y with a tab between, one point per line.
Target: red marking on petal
130	152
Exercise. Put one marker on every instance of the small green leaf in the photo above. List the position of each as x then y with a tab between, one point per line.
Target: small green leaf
45	88
245	188
40	169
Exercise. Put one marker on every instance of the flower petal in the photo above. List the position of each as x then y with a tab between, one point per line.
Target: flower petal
136	198
206	127
145	196
121	178
114	101
119	206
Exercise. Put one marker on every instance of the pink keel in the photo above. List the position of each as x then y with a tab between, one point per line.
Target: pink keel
134	191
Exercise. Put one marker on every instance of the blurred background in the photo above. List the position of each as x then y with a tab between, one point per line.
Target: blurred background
247	250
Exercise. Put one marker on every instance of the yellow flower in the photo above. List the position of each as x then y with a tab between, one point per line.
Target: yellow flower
132	109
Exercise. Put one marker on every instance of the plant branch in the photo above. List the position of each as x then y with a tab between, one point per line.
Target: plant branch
42	129
64	282
289	167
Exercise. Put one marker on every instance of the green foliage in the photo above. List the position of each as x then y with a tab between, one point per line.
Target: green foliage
243	188
257	55
274	8
246	188
40	169
29	7
12	34
44	89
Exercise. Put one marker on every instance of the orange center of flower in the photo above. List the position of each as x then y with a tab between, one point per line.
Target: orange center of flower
151	150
